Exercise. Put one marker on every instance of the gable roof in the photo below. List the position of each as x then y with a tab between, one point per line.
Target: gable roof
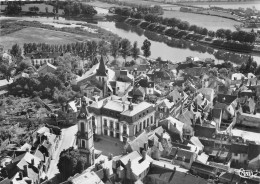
172	177
138	142
47	65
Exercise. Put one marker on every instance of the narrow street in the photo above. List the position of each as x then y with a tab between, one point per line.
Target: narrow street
67	140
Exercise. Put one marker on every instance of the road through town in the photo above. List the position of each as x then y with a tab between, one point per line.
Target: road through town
67	140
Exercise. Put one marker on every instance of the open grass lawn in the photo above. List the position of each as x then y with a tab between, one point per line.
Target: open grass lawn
210	22
39	35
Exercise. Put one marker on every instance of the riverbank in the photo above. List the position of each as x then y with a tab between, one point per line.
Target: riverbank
189	35
12	32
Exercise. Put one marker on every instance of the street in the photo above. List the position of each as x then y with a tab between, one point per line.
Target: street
67	140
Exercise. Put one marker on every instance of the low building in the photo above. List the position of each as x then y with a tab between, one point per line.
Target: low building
46	68
41	58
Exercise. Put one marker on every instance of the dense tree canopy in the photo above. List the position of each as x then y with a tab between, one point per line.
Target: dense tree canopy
70	163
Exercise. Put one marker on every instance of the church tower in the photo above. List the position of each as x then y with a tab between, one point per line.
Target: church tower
85	134
102	75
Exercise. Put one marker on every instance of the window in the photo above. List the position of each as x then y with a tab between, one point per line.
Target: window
105	122
111	133
117	126
83	143
82	127
147	121
117	135
105	132
151	119
140	126
111	124
144	124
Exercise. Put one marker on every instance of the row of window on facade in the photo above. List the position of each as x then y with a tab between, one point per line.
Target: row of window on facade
41	61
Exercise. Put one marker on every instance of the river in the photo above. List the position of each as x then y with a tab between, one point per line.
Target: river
158	49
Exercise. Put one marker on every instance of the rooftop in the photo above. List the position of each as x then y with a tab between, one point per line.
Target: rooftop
137	108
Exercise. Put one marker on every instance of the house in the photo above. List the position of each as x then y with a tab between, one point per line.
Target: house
85	177
232	178
160	75
164	175
124	76
132	167
203	170
181	157
163	109
174	127
46	68
239	152
40	58
25	168
116	117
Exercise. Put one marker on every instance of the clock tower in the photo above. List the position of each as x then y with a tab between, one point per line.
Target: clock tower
85	134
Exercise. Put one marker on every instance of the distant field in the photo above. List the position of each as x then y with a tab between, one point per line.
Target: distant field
210	22
38	35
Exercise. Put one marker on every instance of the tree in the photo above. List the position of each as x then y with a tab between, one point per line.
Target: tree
146	48
204	31
135	51
13	8
125	46
114	48
220	33
103	48
211	33
16	51
228	34
88	10
70	163
92	47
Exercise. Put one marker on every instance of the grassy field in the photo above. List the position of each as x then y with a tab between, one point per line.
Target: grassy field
39	35
209	22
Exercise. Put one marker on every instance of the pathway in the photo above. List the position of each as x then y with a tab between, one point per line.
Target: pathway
67	140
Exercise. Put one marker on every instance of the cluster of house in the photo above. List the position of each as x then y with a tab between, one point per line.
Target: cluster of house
30	162
42	63
199	130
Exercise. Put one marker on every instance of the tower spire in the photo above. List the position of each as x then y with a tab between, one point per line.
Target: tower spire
101	71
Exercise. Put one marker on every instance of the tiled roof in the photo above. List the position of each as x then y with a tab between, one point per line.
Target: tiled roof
139	142
230	178
203	167
253	150
86	177
239	148
173	177
47	65
202	131
137	108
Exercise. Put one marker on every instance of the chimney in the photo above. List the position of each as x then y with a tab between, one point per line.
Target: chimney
144	154
25	170
110	156
174	170
131	107
145	146
32	161
20	175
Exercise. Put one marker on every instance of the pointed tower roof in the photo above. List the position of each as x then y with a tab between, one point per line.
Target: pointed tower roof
101	71
83	113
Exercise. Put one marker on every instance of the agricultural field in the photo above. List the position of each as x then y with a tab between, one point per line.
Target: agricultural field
39	35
